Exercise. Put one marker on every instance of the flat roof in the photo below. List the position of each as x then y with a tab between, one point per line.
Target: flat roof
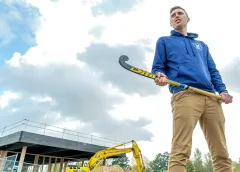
50	141
47	145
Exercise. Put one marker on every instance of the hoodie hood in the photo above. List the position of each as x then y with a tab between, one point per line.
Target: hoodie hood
187	40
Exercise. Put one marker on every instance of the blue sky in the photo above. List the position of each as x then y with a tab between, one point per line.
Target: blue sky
16	28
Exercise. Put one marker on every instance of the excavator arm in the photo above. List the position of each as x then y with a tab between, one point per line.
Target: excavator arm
102	155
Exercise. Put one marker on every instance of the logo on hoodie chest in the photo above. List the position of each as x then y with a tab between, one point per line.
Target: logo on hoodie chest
197	46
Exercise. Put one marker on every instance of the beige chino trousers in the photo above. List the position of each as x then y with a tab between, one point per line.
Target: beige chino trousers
188	108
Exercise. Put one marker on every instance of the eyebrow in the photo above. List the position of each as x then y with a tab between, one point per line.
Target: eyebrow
179	12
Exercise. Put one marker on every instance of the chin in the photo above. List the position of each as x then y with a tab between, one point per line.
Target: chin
178	27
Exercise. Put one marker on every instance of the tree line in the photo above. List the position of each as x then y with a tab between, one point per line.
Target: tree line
198	163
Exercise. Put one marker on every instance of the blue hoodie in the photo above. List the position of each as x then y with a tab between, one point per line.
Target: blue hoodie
187	61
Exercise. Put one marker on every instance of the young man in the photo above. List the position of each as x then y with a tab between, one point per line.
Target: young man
181	58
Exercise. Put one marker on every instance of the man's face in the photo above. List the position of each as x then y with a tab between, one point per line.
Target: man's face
178	19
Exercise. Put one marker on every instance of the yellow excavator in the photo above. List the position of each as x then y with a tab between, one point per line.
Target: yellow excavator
100	158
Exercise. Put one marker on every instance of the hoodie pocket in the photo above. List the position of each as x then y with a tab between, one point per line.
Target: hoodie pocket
194	74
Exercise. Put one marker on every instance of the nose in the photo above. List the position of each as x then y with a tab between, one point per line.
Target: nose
177	15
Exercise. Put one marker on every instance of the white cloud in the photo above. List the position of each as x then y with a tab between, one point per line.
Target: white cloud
6	97
140	23
63	32
15	60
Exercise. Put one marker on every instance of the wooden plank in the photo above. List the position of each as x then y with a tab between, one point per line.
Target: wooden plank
22	157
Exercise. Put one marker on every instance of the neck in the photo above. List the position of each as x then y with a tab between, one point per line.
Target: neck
183	31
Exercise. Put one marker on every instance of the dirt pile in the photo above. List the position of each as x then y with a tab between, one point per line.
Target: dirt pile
114	168
127	170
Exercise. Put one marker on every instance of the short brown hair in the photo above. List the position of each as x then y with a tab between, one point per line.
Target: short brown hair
178	7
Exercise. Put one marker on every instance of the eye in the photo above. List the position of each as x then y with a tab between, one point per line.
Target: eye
173	15
180	13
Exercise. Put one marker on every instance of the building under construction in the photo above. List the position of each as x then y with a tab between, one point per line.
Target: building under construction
28	146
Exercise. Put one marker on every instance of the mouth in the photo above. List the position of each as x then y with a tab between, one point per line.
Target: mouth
177	21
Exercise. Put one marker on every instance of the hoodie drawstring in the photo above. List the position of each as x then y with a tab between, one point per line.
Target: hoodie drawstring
186	45
191	47
186	39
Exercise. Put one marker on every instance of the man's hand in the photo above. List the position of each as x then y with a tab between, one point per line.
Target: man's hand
161	79
226	98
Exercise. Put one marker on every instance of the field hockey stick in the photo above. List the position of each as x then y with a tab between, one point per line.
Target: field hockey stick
124	58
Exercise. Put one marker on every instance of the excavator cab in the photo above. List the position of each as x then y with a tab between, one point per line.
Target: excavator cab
74	168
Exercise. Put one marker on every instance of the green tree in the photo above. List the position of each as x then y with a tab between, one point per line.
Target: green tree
198	162
146	162
160	162
208	165
236	166
123	162
190	167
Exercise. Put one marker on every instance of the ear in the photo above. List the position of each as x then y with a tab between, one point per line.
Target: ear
188	19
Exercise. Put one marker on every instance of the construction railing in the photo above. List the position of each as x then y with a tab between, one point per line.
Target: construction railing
54	131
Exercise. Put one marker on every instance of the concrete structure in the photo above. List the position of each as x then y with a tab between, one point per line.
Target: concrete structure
40	151
34	148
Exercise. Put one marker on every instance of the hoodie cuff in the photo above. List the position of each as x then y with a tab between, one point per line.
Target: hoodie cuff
156	71
221	90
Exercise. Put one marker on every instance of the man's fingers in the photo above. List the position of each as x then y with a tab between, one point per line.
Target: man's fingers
163	75
158	74
226	98
160	79
163	80
157	77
